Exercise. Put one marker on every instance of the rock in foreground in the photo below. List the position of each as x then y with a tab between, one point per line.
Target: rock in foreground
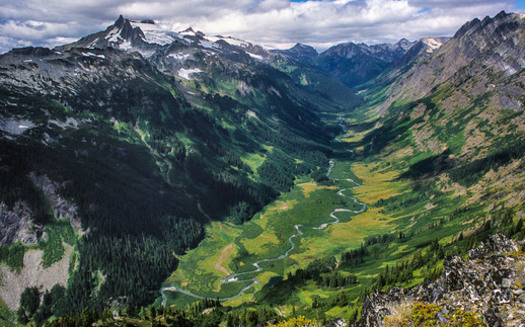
488	288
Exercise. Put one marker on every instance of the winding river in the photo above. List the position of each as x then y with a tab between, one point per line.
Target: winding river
234	278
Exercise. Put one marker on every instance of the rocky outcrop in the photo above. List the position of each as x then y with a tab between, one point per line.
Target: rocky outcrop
16	225
61	207
490	283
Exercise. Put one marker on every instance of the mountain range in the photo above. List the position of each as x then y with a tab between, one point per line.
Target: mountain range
134	155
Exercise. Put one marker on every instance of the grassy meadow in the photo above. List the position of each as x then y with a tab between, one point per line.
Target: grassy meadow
412	216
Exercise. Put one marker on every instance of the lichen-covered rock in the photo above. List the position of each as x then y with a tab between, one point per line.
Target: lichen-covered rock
490	284
495	244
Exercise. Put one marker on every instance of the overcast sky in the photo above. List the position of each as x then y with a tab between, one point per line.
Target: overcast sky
272	23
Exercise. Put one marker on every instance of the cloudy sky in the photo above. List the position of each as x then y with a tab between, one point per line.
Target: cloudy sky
273	23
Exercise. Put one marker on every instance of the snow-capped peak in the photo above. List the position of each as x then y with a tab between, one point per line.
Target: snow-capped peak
230	40
154	33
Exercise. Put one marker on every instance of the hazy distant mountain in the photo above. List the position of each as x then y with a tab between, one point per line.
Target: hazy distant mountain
352	63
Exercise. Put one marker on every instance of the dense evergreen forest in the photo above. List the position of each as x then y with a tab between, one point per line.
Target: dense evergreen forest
147	177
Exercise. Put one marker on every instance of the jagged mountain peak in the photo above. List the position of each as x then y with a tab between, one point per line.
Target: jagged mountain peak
189	30
300	45
300	51
479	61
147	38
503	20
355	63
499	37
120	21
384	51
405	44
125	34
421	50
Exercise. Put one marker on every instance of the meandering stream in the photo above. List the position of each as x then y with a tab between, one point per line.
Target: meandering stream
234	278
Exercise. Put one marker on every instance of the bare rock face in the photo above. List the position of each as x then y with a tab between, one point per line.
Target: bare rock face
33	274
489	283
61	207
16	225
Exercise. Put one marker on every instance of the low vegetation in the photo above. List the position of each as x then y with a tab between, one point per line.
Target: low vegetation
431	315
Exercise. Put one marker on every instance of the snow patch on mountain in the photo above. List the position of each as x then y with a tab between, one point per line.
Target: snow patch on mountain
156	34
69	123
180	56
126	45
272	90
255	56
185	73
15	126
208	44
90	54
113	35
230	40
432	44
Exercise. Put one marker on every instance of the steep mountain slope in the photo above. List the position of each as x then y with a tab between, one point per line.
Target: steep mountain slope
445	127
146	150
465	98
480	47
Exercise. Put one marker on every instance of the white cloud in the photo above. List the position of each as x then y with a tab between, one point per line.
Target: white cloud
273	23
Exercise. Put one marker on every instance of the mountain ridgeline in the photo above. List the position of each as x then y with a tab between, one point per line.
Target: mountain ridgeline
121	152
146	152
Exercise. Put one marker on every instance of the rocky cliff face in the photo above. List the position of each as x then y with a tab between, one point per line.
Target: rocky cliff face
16	225
489	283
492	49
61	207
